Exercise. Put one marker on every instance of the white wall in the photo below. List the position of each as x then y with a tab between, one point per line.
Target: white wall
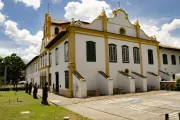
140	82
105	86
171	69
153	81
79	88
114	25
95	25
165	76
32	73
120	66
89	70
60	68
128	85
144	36
146	66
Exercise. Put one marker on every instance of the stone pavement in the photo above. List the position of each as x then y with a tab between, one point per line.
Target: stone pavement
139	106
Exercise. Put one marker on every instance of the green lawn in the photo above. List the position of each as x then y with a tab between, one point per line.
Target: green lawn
13	110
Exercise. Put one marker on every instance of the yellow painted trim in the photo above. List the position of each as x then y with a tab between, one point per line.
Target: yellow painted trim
106	55
115	36
59	41
141	60
65	93
89	34
72	58
45	50
159	61
44	68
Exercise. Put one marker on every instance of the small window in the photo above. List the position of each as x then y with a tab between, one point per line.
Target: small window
50	59
67	79
112	53
49	79
91	51
150	56
125	54
56	30
173	59
165	60
43	60
66	51
45	56
56	55
122	31
136	55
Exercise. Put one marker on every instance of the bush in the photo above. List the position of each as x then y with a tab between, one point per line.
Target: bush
178	84
13	89
1	81
126	71
5	89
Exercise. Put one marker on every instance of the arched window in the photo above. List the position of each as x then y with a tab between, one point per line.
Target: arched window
56	30
112	53
122	31
136	55
66	51
125	54
91	51
165	60
173	59
150	56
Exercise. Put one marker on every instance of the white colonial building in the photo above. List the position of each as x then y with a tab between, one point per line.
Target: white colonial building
107	56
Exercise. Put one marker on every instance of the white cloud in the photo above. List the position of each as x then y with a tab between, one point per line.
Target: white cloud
56	1
33	3
26	54
86	10
14	33
172	26
162	33
2	18
1	5
128	3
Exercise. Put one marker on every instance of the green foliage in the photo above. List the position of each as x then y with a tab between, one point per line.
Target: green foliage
1	81
10	109
126	71
14	66
177	81
178	84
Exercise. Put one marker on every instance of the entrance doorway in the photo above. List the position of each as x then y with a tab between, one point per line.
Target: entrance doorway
57	82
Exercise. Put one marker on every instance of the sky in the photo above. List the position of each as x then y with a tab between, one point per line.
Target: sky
21	21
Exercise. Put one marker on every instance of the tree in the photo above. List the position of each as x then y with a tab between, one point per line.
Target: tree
1	67
1	81
14	66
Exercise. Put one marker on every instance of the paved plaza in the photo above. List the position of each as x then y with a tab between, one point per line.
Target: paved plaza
139	106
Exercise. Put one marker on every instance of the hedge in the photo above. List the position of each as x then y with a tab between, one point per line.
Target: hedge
12	89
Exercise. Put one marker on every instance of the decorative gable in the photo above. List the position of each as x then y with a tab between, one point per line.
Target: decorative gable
118	24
